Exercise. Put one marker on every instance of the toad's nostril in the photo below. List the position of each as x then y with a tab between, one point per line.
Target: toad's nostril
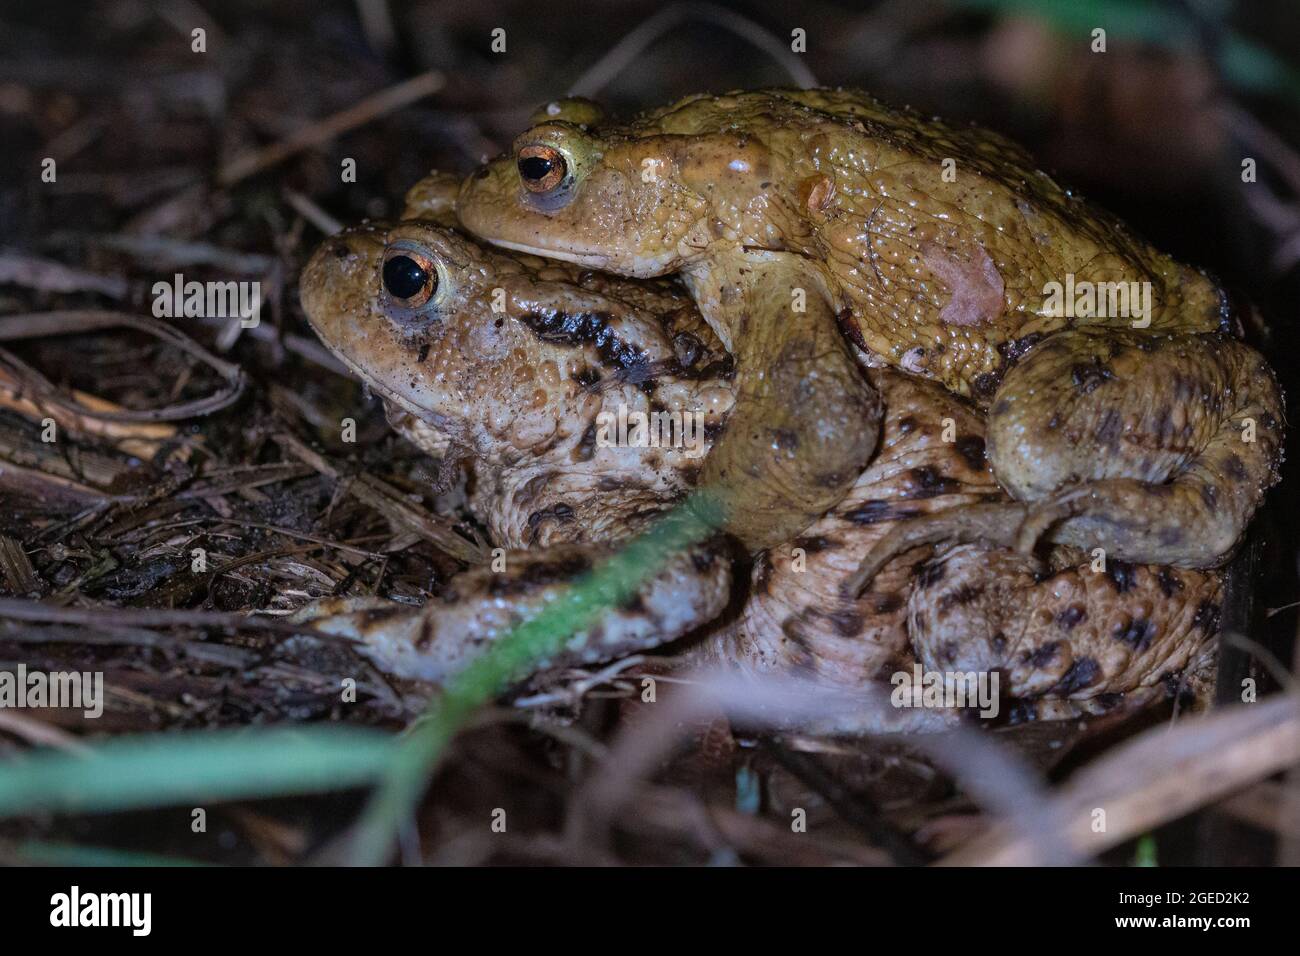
341	251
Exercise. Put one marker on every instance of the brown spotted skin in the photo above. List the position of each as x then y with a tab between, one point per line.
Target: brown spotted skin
517	391
1077	634
946	276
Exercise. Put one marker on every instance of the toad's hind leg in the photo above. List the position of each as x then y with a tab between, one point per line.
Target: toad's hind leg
805	420
1157	448
1075	634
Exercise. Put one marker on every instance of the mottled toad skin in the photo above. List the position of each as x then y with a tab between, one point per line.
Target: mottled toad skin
1133	440
517	388
1062	634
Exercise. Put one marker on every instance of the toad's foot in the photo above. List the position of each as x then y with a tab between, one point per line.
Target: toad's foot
805	420
1156	448
993	525
481	606
1138	515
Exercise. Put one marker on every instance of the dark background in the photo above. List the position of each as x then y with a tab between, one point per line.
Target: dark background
141	128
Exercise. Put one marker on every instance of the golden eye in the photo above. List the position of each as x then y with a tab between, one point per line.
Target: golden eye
410	277
541	168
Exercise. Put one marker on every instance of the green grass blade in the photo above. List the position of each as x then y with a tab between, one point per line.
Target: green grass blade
608	585
1144	854
157	770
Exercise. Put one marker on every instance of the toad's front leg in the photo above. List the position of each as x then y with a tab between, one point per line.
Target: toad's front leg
481	606
805	421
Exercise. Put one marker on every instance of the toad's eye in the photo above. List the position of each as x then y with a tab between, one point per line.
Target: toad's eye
409	277
541	168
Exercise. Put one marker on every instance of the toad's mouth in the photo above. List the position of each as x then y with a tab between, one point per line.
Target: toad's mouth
589	259
381	388
639	267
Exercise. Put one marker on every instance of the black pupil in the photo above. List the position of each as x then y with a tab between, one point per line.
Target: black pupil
403	277
535	167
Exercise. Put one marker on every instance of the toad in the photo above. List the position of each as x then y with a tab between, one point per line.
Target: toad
528	365
1124	415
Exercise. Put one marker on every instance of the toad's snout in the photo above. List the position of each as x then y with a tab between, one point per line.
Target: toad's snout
335	285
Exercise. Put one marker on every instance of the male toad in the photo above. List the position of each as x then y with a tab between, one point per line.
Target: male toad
1153	437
